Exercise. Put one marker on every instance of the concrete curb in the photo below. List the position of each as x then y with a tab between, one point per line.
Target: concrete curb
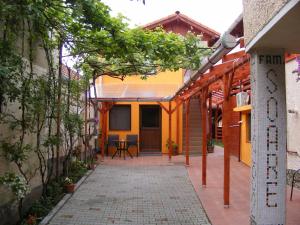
62	202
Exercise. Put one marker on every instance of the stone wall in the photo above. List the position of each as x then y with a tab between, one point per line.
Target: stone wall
257	13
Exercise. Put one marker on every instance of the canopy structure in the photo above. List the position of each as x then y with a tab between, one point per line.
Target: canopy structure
133	92
220	76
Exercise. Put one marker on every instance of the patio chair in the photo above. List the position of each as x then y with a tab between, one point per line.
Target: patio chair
111	138
294	180
133	141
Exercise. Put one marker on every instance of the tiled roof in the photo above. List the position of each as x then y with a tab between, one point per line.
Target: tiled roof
177	16
73	73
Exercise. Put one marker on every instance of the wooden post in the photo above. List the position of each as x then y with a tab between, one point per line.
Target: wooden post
170	130
210	117
102	134
204	133
225	134
216	122
187	138
105	125
177	124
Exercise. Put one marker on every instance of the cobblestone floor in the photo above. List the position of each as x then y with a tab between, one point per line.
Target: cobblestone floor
134	195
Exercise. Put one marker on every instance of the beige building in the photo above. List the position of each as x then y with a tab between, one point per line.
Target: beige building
293	106
271	30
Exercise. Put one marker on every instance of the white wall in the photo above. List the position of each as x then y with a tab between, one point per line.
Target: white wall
293	103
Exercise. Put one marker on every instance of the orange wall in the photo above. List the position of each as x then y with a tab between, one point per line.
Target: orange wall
245	145
166	77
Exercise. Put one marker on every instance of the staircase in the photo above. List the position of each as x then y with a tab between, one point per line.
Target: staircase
195	131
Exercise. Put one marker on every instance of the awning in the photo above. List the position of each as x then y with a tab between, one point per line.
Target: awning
134	92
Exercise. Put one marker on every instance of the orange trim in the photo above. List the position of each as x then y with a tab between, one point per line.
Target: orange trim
164	108
233	56
290	57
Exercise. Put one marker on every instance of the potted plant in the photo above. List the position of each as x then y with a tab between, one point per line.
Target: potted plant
69	185
210	146
31	219
92	165
174	147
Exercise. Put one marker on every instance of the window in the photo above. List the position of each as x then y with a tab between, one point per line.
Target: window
120	117
248	131
150	116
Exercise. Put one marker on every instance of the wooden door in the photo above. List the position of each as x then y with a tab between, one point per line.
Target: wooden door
150	128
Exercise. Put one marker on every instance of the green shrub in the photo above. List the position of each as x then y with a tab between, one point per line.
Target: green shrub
77	170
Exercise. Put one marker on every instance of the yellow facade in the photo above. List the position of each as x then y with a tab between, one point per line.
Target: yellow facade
167	77
245	144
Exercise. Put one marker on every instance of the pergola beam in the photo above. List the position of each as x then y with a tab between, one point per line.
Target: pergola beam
211	77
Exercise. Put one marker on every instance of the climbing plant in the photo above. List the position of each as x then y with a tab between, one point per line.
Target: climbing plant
40	107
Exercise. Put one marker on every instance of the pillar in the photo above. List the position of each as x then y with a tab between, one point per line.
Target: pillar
187	137
204	136
210	117
102	140
268	137
170	130
226	141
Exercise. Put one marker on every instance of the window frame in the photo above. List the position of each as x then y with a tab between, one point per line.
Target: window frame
110	116
248	127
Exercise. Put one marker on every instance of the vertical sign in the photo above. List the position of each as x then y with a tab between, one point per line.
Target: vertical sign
268	137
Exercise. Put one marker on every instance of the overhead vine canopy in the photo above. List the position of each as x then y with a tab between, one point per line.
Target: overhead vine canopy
102	44
35	32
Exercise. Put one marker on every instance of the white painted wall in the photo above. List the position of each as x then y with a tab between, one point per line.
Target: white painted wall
293	103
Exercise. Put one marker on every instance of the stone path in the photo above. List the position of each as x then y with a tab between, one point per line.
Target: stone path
134	195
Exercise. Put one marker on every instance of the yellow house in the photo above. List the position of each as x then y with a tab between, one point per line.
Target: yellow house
132	113
245	131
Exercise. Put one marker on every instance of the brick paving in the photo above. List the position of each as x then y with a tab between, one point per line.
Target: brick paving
134	195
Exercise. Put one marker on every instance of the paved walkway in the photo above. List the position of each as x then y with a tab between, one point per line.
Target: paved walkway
134	195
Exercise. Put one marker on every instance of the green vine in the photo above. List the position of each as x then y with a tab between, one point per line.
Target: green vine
40	107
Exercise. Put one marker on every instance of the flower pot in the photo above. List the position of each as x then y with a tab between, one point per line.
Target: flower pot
175	150
210	148
31	219
92	166
70	188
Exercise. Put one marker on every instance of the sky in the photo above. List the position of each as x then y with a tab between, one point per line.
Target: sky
216	14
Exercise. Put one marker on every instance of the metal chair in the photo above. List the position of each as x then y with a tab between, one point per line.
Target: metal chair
133	141
294	180
111	138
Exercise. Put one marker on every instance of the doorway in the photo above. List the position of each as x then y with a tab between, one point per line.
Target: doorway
150	129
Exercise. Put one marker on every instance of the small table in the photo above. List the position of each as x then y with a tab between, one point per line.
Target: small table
122	146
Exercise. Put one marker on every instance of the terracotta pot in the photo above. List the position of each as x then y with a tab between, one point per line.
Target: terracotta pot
70	188
92	166
210	149
175	150
31	219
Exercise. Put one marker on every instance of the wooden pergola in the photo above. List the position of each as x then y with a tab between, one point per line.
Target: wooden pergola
216	85
223	80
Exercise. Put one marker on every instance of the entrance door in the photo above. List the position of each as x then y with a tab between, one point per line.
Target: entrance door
150	128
